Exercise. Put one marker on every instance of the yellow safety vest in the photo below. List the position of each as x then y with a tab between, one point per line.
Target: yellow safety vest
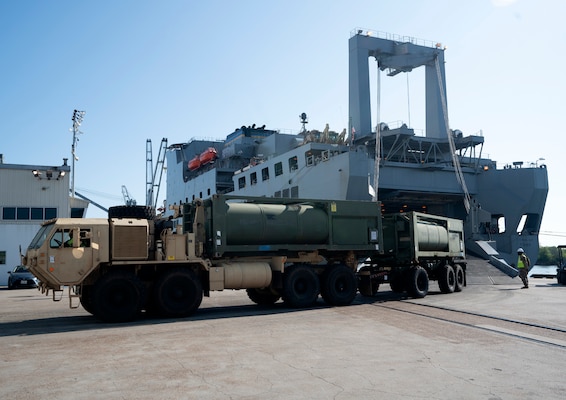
520	263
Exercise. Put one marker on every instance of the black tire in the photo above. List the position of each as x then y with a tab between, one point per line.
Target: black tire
446	279
561	277
86	298
417	282
142	212
178	293
263	297
117	297
339	286
460	278
300	286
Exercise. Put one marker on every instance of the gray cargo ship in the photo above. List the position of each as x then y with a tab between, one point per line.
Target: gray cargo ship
442	172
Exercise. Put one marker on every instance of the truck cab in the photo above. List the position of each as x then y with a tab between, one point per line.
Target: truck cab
65	250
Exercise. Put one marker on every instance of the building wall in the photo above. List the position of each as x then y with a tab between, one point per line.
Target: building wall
24	198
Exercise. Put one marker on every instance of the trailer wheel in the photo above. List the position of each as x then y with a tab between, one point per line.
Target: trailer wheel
300	286
117	297
264	297
178	293
338	286
417	283
446	279
460	278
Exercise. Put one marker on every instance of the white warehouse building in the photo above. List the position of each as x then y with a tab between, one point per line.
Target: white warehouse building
30	195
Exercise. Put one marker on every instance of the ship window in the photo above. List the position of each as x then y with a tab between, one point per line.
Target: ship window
200	195
208	191
9	213
265	174
37	213
50	213
501	224
2	257
23	212
521	225
241	182
293	164
253	178
277	194
295	192
529	223
285	193
279	169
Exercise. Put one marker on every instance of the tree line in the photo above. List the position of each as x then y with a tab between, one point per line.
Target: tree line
548	256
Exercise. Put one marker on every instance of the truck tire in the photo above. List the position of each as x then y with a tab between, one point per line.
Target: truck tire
86	298
460	278
117	297
178	293
417	283
338	286
446	279
561	276
300	286
142	212
263	297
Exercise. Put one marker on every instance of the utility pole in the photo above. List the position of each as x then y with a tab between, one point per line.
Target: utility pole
77	119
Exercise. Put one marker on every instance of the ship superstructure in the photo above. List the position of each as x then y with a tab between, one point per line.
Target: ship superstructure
442	172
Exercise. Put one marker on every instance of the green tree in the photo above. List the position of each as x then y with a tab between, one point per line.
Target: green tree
547	256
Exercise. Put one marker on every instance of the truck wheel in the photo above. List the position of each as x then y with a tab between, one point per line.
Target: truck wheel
142	212
178	293
446	279
86	298
117	297
460	278
417	283
338	286
264	297
300	286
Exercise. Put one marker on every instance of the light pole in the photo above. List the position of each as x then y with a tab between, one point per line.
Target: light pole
77	119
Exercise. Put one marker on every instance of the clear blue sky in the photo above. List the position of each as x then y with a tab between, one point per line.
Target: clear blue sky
182	69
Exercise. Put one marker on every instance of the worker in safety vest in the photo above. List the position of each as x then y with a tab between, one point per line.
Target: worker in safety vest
523	265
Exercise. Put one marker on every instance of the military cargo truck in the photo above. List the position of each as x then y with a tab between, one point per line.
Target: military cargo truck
294	249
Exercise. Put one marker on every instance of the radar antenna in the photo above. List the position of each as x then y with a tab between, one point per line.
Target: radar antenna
304	122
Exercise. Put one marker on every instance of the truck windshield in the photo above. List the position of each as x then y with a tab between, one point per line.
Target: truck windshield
40	236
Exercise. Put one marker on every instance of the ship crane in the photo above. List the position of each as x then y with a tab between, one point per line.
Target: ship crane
128	200
153	176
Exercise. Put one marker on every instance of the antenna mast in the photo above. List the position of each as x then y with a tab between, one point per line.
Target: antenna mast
77	119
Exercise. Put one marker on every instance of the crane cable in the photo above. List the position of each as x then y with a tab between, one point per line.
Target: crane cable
455	159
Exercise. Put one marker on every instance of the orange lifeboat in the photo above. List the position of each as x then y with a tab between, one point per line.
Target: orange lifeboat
194	163
208	155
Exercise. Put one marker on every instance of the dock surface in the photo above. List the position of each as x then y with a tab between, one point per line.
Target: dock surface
493	340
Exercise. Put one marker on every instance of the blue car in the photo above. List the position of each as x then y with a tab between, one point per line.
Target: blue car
21	277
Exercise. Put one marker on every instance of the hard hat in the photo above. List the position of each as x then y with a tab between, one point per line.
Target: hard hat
520	250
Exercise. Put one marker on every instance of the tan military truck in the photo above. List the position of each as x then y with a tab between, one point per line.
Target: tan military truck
294	249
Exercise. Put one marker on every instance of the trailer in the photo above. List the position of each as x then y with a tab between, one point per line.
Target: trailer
274	248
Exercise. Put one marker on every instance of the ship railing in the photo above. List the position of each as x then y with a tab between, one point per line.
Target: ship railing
395	37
